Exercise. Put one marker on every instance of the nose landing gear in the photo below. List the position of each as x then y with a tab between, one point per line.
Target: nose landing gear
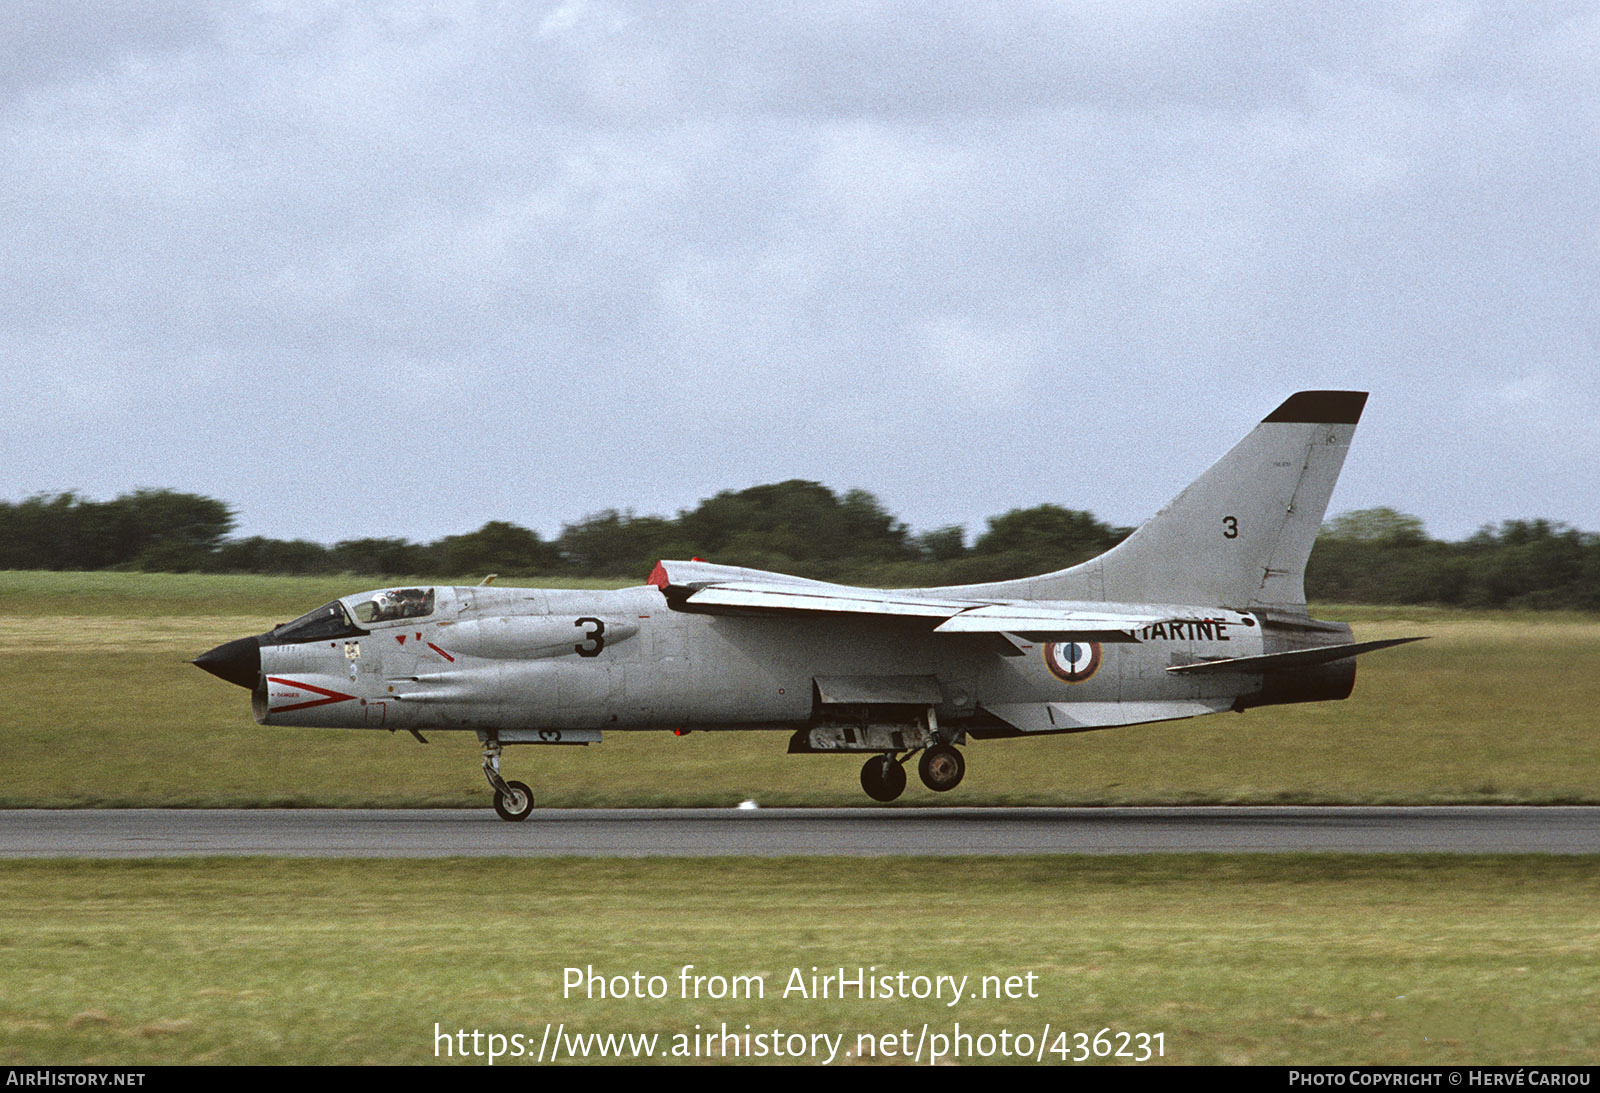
512	800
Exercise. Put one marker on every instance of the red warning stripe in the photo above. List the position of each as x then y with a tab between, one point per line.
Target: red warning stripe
332	696
441	652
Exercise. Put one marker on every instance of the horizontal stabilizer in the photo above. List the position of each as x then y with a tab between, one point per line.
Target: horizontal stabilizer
1298	658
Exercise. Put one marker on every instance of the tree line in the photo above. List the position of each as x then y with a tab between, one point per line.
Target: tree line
1372	556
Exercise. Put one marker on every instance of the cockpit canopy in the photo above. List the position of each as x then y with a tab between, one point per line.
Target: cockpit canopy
334	620
330	620
396	603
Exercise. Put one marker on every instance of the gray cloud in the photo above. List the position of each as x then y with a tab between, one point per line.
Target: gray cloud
406	268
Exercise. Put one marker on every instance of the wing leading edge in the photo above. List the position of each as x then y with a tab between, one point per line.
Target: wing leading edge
705	588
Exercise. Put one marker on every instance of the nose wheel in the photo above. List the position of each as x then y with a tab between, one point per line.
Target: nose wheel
512	800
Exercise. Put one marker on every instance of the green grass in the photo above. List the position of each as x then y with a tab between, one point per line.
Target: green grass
1247	959
1235	959
98	707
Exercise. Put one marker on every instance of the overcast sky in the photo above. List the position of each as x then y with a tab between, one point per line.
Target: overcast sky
400	269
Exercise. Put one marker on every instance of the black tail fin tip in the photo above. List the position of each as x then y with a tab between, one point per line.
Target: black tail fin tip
1320	408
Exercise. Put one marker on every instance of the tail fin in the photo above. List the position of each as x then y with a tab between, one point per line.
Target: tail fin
1240	534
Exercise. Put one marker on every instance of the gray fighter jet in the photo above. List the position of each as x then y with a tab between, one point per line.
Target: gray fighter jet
1201	610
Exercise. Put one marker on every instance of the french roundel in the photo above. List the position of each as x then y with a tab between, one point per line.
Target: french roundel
1072	661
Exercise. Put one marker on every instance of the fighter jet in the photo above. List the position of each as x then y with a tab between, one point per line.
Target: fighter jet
1199	611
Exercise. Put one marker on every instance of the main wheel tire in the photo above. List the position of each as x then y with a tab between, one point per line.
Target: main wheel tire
883	778
515	806
942	768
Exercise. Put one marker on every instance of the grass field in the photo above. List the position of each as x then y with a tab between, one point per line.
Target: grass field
1251	959
98	707
1248	959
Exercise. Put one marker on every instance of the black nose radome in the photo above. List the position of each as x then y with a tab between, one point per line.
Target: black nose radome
235	661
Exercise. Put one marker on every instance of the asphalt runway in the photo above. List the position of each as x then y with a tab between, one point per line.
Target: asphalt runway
426	833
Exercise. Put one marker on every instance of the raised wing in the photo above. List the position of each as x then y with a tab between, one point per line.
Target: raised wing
705	588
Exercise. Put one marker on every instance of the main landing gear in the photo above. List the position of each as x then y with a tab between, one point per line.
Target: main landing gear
941	768
883	778
512	800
